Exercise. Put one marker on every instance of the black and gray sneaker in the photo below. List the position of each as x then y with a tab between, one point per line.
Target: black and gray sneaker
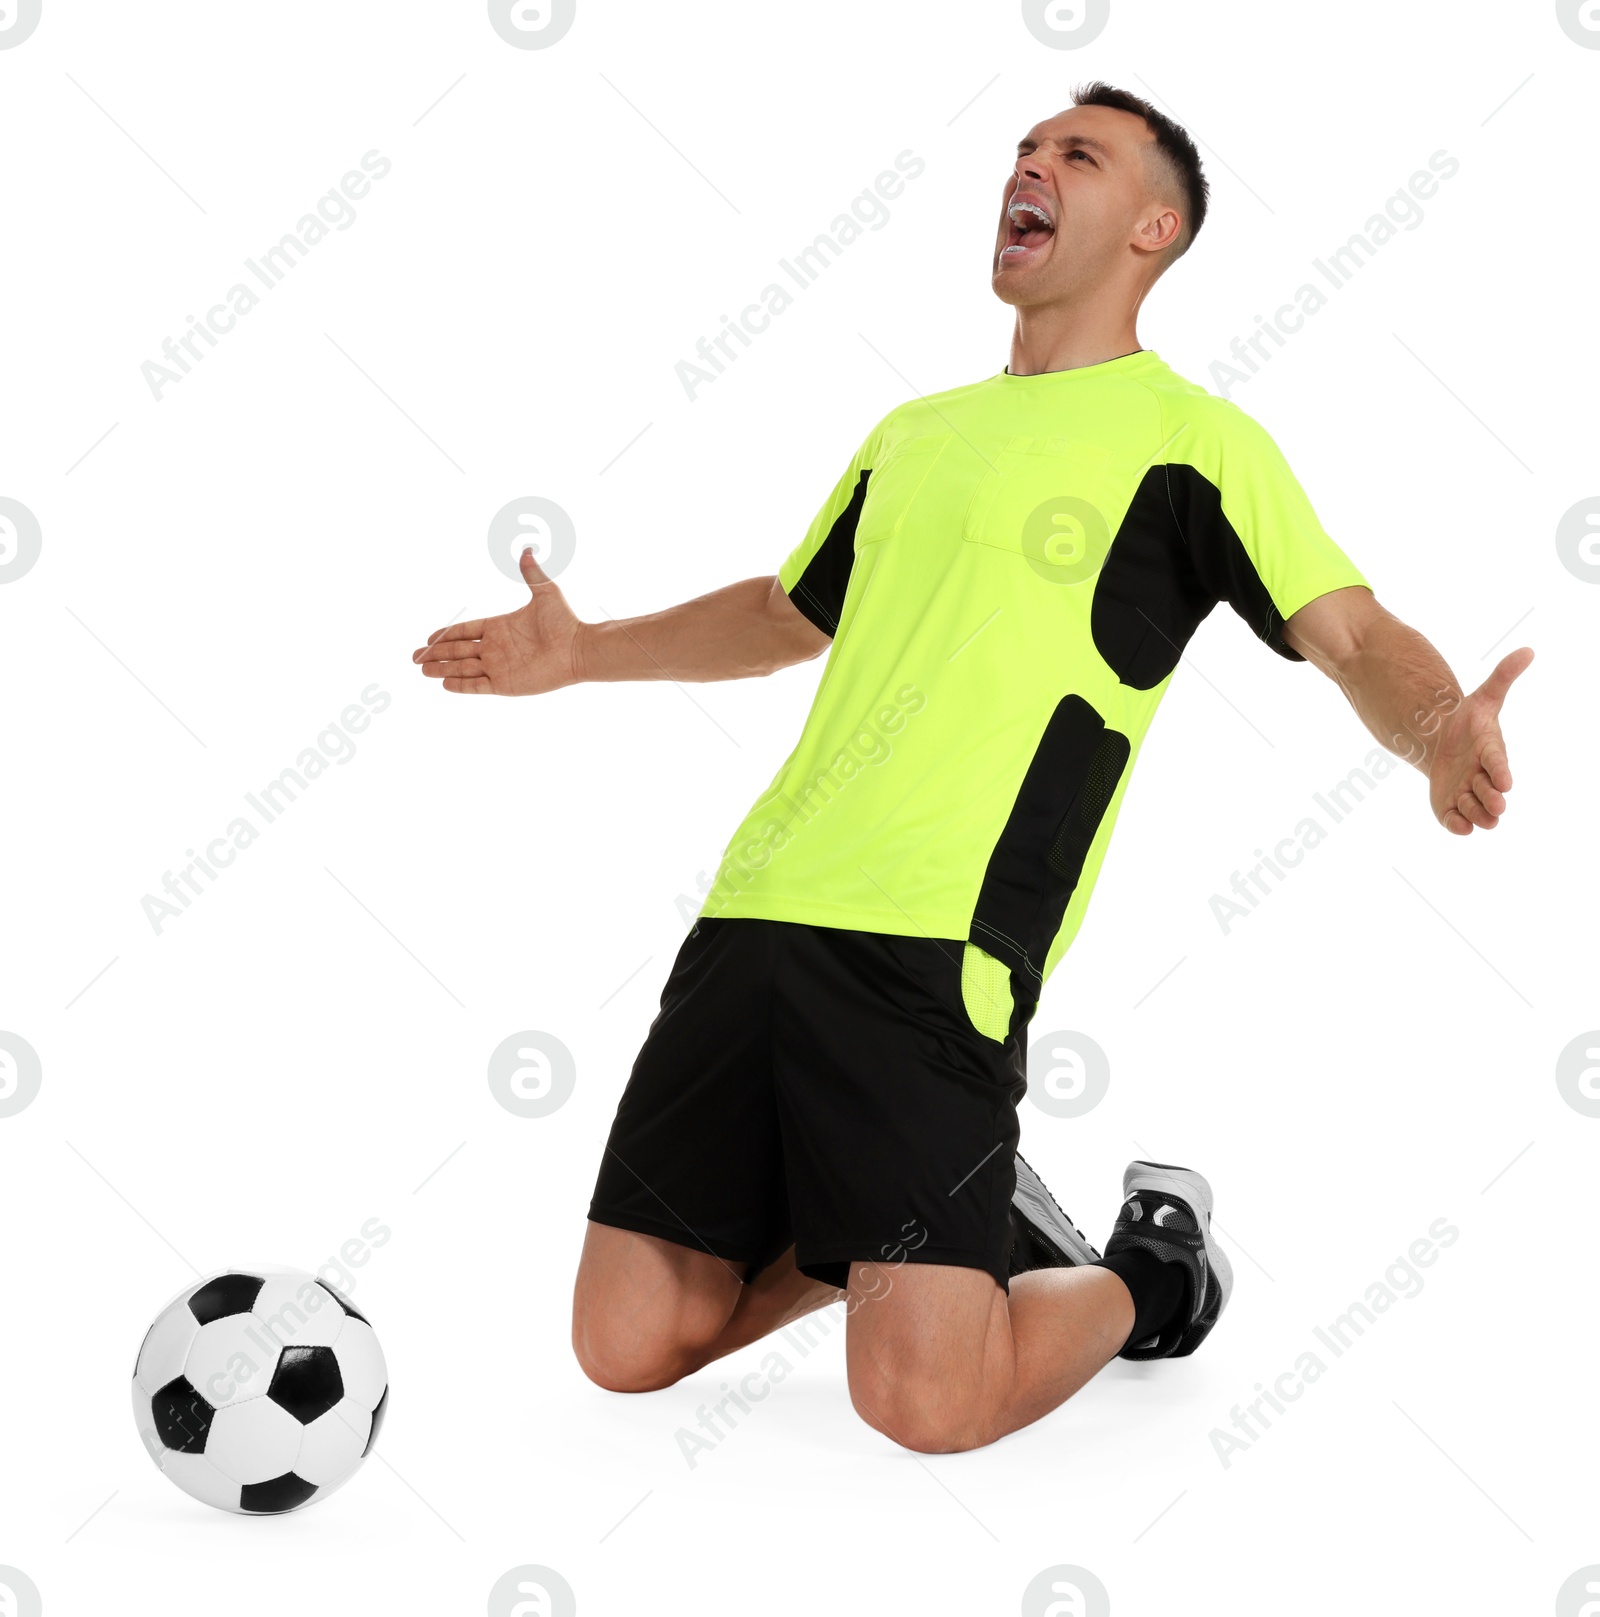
1166	1210
1042	1236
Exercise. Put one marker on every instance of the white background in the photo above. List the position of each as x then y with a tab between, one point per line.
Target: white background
301	1049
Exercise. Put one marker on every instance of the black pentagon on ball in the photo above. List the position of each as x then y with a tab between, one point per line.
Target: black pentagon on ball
182	1416
377	1422
224	1296
349	1307
307	1382
281	1493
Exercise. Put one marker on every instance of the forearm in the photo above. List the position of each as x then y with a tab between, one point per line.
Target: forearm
1399	686
741	630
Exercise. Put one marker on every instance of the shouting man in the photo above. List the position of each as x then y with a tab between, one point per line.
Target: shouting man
1004	579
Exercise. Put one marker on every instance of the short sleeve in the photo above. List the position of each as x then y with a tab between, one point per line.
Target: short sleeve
1264	551
816	572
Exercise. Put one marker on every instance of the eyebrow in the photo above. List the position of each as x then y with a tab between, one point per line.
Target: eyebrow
1028	144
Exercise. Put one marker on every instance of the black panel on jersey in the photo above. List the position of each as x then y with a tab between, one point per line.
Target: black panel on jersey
1149	597
1173	558
1035	865
1221	559
819	591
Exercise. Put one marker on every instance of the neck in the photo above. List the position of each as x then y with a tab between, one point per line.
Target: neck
1056	337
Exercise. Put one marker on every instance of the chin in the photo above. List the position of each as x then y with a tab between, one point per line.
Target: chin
1020	290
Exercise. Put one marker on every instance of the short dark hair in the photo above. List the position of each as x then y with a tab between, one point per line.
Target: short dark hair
1172	142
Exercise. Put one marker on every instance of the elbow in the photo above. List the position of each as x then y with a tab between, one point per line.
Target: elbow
1335	630
793	639
786	656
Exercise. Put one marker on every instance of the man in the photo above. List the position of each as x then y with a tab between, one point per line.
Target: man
1004	578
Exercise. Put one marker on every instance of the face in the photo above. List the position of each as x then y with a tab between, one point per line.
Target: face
1078	195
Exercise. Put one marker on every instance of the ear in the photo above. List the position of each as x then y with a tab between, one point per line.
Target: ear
1158	231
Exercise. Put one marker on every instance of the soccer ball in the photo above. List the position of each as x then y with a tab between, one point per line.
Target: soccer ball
259	1390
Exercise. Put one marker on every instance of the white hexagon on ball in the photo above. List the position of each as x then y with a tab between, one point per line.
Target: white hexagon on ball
259	1390
361	1364
254	1441
231	1361
166	1345
294	1310
333	1444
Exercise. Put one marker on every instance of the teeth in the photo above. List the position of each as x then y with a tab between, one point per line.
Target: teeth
1029	207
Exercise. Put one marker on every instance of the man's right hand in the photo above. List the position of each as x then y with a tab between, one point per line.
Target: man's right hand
523	653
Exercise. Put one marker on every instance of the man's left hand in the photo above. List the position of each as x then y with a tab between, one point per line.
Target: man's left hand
1469	776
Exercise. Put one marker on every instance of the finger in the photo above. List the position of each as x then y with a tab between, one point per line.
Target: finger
460	668
533	574
1484	789
461	631
1483	818
1456	823
468	687
1471	809
1494	688
1492	760
443	650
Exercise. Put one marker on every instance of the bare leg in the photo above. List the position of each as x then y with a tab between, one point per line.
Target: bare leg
941	1360
646	1312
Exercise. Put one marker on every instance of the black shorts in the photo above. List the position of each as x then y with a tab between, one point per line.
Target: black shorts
821	1088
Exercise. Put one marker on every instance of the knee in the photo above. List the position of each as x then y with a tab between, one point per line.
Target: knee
922	1415
623	1366
627	1349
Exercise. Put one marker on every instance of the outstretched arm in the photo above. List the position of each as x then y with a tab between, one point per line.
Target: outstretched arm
1405	694
732	633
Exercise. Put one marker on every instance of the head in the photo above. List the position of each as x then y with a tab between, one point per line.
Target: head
1101	200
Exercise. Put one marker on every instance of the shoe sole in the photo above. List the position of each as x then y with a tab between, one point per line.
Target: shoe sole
1194	1189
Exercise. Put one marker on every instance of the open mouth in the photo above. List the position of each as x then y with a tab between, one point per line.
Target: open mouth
1029	226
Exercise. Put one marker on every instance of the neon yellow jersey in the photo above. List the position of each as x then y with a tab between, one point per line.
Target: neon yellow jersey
1010	572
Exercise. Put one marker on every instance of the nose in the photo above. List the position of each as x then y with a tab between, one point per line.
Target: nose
1029	168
